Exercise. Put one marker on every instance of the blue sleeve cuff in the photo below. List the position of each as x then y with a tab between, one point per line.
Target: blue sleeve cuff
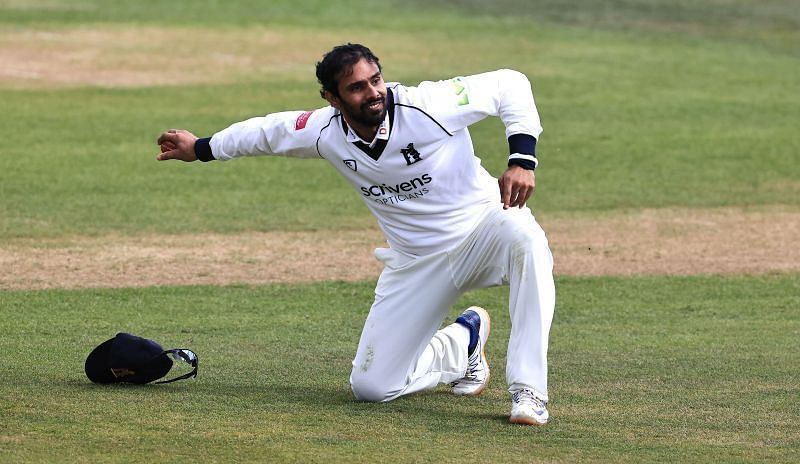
522	149
202	149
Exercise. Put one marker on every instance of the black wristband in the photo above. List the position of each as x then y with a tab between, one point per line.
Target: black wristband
524	161
202	149
522	143
522	149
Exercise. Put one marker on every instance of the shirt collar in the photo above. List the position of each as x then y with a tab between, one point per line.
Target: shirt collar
382	134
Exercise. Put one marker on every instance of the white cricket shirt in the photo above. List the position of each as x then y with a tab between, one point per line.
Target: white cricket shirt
426	188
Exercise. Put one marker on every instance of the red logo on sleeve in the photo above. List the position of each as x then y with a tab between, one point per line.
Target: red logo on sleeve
302	120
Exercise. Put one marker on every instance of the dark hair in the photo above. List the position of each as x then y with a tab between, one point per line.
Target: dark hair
339	62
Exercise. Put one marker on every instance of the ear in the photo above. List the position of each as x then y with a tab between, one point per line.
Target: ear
333	100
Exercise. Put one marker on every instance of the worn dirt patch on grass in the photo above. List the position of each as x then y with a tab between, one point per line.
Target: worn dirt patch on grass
121	56
145	56
677	242
666	242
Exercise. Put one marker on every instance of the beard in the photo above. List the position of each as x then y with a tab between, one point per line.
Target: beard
365	116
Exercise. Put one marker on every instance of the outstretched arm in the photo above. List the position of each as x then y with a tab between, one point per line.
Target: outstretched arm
288	133
177	144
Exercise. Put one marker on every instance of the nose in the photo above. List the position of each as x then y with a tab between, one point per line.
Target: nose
374	92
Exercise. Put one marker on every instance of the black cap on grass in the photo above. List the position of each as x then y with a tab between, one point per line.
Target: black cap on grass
132	359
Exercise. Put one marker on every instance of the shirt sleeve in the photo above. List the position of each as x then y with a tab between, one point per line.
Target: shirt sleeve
289	133
459	102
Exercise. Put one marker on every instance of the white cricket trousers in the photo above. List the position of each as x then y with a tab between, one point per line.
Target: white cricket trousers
401	351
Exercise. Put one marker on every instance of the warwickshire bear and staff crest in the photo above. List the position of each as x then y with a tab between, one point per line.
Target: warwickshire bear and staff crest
410	154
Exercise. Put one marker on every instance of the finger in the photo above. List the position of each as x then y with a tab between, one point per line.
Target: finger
169	135
505	192
516	198
517	190
167	146
516	194
528	193
524	194
168	155
523	197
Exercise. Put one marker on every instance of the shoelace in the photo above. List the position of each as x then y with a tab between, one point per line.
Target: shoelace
524	396
472	366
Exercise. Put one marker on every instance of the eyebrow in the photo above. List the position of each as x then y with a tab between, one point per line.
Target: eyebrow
353	84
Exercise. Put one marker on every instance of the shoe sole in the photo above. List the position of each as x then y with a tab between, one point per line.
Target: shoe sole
484	317
526	421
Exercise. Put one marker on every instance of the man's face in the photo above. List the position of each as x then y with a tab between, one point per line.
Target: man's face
362	95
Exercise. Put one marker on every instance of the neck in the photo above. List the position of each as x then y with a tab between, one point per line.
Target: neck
367	133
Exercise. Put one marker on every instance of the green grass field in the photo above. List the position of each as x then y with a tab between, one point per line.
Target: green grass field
643	370
645	104
632	118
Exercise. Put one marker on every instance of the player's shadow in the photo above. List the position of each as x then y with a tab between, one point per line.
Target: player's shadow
440	402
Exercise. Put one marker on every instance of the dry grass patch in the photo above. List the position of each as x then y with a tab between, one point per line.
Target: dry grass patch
643	242
677	241
251	257
138	56
44	5
131	56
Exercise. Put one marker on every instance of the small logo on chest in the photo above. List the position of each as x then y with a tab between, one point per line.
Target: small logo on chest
351	163
410	154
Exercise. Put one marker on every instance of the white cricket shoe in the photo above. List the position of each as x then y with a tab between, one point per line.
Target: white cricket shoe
528	409
477	377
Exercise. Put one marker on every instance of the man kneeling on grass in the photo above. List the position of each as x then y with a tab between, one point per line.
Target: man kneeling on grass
451	227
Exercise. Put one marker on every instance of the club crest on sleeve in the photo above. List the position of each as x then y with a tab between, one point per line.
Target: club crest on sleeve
302	120
461	91
351	163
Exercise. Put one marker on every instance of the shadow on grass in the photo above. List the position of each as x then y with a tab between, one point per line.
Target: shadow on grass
335	398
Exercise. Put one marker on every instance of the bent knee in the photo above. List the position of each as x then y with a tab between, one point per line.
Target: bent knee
528	243
524	232
372	390
530	248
